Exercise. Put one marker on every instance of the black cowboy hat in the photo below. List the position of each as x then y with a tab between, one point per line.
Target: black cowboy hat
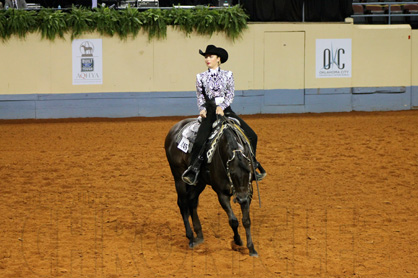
213	50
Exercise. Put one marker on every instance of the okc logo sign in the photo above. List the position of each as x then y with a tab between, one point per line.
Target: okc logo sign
333	58
87	62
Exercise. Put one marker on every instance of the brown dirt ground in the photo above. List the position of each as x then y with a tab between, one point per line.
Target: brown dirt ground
95	198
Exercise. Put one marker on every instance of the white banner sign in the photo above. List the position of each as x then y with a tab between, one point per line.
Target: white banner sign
333	58
87	62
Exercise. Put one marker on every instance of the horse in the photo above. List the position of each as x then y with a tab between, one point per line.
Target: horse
230	174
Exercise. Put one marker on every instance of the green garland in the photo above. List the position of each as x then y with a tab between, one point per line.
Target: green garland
124	23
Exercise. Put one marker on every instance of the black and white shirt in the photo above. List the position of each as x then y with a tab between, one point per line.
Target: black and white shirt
218	84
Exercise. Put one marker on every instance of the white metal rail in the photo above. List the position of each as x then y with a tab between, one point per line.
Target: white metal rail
389	14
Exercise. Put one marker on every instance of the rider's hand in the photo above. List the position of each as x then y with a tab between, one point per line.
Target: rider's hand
219	110
203	113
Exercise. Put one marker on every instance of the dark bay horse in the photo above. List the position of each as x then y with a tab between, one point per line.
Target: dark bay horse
230	174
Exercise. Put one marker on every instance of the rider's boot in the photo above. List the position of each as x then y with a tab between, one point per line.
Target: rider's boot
262	174
191	174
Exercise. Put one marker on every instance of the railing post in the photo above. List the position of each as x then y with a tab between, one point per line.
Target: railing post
303	11
389	13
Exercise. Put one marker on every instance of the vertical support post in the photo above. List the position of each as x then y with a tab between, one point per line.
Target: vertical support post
303	11
389	12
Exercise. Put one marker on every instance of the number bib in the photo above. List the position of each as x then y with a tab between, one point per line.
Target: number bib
184	145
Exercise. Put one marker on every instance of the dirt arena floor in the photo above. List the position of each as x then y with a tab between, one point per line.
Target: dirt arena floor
95	198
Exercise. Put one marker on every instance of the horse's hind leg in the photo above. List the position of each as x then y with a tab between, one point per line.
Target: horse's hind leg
183	203
225	202
185	213
195	217
187	200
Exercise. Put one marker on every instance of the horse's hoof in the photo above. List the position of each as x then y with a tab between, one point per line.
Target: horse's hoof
254	254
195	242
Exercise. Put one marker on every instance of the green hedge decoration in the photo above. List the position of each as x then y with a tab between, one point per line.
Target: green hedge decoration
124	23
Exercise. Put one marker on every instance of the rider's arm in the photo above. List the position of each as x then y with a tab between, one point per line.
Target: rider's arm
229	90
199	94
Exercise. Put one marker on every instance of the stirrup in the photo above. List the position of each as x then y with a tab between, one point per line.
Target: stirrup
190	175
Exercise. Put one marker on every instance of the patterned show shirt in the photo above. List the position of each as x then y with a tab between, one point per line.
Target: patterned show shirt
218	84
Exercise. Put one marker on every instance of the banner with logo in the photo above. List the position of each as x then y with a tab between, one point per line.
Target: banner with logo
333	58
87	62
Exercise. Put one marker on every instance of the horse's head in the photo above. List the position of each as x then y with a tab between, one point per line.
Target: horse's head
239	167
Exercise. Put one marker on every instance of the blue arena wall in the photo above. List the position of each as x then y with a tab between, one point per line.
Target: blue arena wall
154	104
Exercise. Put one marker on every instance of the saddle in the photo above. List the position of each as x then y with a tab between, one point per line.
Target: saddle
187	135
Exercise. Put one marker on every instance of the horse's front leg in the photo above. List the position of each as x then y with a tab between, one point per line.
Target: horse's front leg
225	202
246	222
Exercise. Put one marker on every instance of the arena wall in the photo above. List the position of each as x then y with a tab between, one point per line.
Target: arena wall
414	69
274	66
